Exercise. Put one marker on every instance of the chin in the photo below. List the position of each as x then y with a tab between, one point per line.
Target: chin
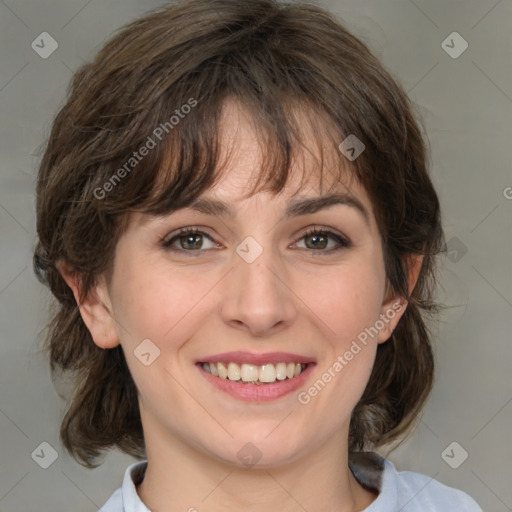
259	451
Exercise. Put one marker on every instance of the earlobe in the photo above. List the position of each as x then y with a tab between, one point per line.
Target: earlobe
393	309
95	309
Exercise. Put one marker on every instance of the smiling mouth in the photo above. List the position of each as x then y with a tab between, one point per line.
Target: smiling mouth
254	374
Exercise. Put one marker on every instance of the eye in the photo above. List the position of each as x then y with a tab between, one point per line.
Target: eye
188	240
191	240
318	239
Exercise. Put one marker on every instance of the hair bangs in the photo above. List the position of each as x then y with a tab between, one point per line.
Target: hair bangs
299	139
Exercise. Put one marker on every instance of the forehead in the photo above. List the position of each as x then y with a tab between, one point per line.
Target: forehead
316	166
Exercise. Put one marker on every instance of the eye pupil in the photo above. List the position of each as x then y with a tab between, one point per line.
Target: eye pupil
315	238
190	239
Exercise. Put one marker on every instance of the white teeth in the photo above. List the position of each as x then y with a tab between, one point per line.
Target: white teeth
233	371
281	371
267	373
213	369
249	372
223	371
246	372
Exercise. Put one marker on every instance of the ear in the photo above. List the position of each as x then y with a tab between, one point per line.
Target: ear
95	309
393	309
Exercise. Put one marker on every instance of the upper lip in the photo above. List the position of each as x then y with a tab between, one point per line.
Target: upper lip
256	359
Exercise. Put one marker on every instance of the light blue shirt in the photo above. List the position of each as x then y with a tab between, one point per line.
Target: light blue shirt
402	491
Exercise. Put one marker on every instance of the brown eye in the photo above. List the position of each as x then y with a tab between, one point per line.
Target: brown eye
187	240
318	240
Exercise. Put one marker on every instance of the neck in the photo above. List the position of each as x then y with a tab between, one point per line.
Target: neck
181	478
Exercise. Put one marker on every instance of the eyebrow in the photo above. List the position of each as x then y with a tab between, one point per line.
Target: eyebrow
295	208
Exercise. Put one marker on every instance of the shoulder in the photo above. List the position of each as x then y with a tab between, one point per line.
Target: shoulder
416	492
404	490
114	503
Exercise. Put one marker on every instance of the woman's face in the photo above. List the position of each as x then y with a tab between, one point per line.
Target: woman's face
252	283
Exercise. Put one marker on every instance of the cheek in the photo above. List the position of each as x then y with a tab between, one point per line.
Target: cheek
164	307
157	304
351	304
350	309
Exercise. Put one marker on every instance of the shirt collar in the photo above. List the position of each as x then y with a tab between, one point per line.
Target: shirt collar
377	474
133	475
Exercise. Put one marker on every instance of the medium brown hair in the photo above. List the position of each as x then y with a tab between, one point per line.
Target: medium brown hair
275	59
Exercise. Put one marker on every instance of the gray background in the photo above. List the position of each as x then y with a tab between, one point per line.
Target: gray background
466	105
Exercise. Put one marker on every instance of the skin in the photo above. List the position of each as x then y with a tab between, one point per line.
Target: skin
191	307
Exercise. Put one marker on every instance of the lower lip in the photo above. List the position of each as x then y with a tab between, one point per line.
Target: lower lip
257	392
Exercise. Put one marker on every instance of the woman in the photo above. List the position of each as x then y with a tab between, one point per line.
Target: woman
236	197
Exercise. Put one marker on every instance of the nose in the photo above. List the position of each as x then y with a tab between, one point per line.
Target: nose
257	297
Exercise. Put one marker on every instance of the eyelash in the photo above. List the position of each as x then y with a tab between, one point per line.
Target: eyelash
343	242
